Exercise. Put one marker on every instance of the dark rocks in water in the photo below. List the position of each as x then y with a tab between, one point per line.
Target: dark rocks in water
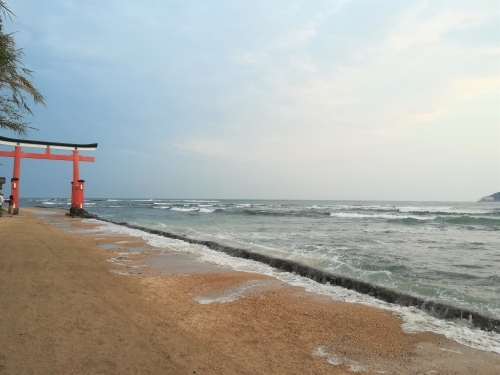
434	308
81	213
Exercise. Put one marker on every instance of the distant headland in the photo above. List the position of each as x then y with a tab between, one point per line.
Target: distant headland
491	198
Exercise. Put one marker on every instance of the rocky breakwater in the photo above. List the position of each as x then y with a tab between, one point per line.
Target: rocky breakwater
434	308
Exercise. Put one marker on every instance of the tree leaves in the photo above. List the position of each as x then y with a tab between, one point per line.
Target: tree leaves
15	84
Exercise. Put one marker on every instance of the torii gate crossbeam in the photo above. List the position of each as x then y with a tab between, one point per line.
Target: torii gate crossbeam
77	184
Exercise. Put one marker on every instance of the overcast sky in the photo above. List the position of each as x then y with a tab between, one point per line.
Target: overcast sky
371	100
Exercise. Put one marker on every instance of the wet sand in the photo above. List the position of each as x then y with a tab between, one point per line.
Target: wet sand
76	301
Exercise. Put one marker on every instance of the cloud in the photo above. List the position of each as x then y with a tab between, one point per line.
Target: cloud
295	85
409	77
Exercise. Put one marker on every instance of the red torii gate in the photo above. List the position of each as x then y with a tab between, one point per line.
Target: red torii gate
17	154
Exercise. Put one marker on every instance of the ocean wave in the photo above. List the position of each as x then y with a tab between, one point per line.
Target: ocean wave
198	201
470	220
354	215
367	208
190	209
252	205
277	212
184	209
441	210
415	210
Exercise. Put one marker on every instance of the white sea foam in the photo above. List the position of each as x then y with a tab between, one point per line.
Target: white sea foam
336	360
315	207
441	209
369	208
206	210
332	359
354	215
187	209
152	239
410	209
451	351
162	207
199	201
231	296
46	202
222	299
413	319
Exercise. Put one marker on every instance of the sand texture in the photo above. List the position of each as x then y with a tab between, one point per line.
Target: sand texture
74	301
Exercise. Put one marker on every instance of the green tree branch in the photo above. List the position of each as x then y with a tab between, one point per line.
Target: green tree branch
15	84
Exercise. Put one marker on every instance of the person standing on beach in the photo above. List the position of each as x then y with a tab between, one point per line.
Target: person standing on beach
1	203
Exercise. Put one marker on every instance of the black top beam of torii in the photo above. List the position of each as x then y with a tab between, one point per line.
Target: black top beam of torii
45	144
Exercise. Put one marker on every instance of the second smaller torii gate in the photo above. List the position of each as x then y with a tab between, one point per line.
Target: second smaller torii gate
77	184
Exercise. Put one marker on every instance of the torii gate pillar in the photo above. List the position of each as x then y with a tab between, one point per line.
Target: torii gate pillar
14	181
14	188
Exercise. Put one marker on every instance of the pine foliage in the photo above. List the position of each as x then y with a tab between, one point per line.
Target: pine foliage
15	84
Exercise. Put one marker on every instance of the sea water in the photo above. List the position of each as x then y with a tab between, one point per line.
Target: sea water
445	251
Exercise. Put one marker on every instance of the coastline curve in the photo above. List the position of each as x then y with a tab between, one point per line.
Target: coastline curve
432	307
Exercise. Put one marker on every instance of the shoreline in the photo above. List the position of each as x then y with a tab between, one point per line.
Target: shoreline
64	310
437	309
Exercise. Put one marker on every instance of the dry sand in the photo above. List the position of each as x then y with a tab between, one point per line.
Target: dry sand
65	308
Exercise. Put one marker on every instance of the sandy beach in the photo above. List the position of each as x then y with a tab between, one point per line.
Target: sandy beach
73	301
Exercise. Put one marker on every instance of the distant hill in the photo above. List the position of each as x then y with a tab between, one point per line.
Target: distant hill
491	198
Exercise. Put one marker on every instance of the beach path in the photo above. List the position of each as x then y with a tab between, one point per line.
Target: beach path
63	312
